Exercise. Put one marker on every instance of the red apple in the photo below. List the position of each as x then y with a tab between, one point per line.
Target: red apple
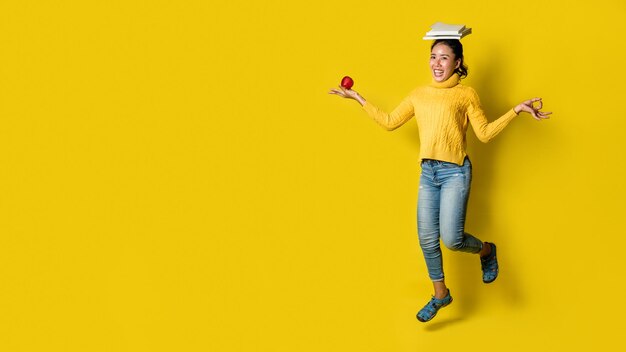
347	82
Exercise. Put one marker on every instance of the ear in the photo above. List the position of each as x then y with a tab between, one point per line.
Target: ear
458	63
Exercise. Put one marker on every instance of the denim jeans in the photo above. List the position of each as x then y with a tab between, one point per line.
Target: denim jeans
441	206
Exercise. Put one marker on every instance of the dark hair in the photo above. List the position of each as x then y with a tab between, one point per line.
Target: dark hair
457	49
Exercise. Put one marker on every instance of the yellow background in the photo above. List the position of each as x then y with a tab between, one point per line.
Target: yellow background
175	177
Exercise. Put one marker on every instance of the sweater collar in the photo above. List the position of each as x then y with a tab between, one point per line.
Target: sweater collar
449	83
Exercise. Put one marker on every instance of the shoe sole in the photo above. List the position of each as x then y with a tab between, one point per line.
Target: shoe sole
434	315
488	282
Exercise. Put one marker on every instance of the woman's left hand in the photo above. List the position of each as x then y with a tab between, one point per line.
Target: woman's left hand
528	106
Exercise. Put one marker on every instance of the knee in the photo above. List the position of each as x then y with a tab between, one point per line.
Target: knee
453	242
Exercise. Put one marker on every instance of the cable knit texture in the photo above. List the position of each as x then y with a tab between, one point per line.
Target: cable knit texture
442	111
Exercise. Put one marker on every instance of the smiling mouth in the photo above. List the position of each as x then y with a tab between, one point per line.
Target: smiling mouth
438	73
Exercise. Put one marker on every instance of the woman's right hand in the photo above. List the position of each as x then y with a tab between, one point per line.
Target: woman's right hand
348	94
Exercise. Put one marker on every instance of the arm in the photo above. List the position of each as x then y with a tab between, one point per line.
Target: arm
485	131
390	121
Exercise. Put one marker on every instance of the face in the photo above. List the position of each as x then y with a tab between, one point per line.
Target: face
442	62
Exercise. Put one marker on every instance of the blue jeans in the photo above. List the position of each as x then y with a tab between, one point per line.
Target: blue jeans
441	207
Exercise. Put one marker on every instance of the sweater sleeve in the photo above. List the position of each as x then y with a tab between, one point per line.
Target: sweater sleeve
484	130
390	121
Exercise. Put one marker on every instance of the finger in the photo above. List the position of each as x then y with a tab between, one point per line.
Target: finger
338	93
534	113
540	104
531	102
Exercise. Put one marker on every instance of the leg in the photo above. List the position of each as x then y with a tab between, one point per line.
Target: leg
455	189
454	196
428	226
428	233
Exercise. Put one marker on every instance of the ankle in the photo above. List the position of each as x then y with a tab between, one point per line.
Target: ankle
440	294
486	250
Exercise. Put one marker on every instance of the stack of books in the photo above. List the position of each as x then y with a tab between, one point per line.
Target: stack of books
447	31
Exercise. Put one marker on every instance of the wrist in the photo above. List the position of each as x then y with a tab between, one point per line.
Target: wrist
516	110
360	99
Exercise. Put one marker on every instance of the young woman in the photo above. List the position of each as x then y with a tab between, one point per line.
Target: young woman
443	111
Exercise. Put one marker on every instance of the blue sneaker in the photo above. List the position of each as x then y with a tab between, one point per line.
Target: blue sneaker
431	308
489	265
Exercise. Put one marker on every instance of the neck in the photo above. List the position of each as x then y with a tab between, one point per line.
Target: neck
448	83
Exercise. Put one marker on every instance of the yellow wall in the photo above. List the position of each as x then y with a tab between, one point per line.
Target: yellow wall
175	177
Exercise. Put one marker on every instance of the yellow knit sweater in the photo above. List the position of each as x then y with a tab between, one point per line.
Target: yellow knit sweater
442	111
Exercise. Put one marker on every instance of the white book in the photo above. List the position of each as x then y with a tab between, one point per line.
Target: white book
439	35
447	29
